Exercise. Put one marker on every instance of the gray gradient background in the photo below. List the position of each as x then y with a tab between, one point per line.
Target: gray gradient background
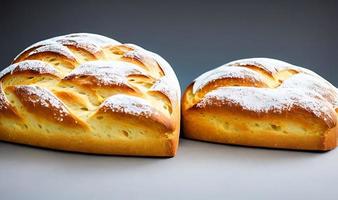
193	37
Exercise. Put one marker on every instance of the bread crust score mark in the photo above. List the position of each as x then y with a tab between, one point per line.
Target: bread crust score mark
262	102
88	93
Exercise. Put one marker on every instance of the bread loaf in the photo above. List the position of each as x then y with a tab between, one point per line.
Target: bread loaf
89	93
262	102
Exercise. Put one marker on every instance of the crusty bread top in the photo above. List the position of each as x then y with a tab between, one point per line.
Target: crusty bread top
72	78
263	85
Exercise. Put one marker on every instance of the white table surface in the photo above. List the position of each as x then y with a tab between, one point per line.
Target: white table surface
199	171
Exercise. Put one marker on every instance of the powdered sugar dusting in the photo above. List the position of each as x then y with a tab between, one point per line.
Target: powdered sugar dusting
141	56
306	82
336	102
103	73
133	54
267	64
41	97
54	48
29	65
171	78
265	100
127	104
36	45
3	101
225	72
87	41
94	38
168	84
163	85
305	89
309	72
107	72
82	44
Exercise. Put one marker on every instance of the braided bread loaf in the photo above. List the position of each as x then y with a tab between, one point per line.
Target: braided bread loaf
262	102
89	93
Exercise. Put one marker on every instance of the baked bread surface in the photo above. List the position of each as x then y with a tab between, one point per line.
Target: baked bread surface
88	93
262	102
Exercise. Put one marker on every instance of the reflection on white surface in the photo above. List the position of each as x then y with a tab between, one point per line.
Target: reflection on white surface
199	171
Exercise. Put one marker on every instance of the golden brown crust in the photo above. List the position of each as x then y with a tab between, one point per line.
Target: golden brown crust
143	113
88	93
6	109
162	147
41	102
295	109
